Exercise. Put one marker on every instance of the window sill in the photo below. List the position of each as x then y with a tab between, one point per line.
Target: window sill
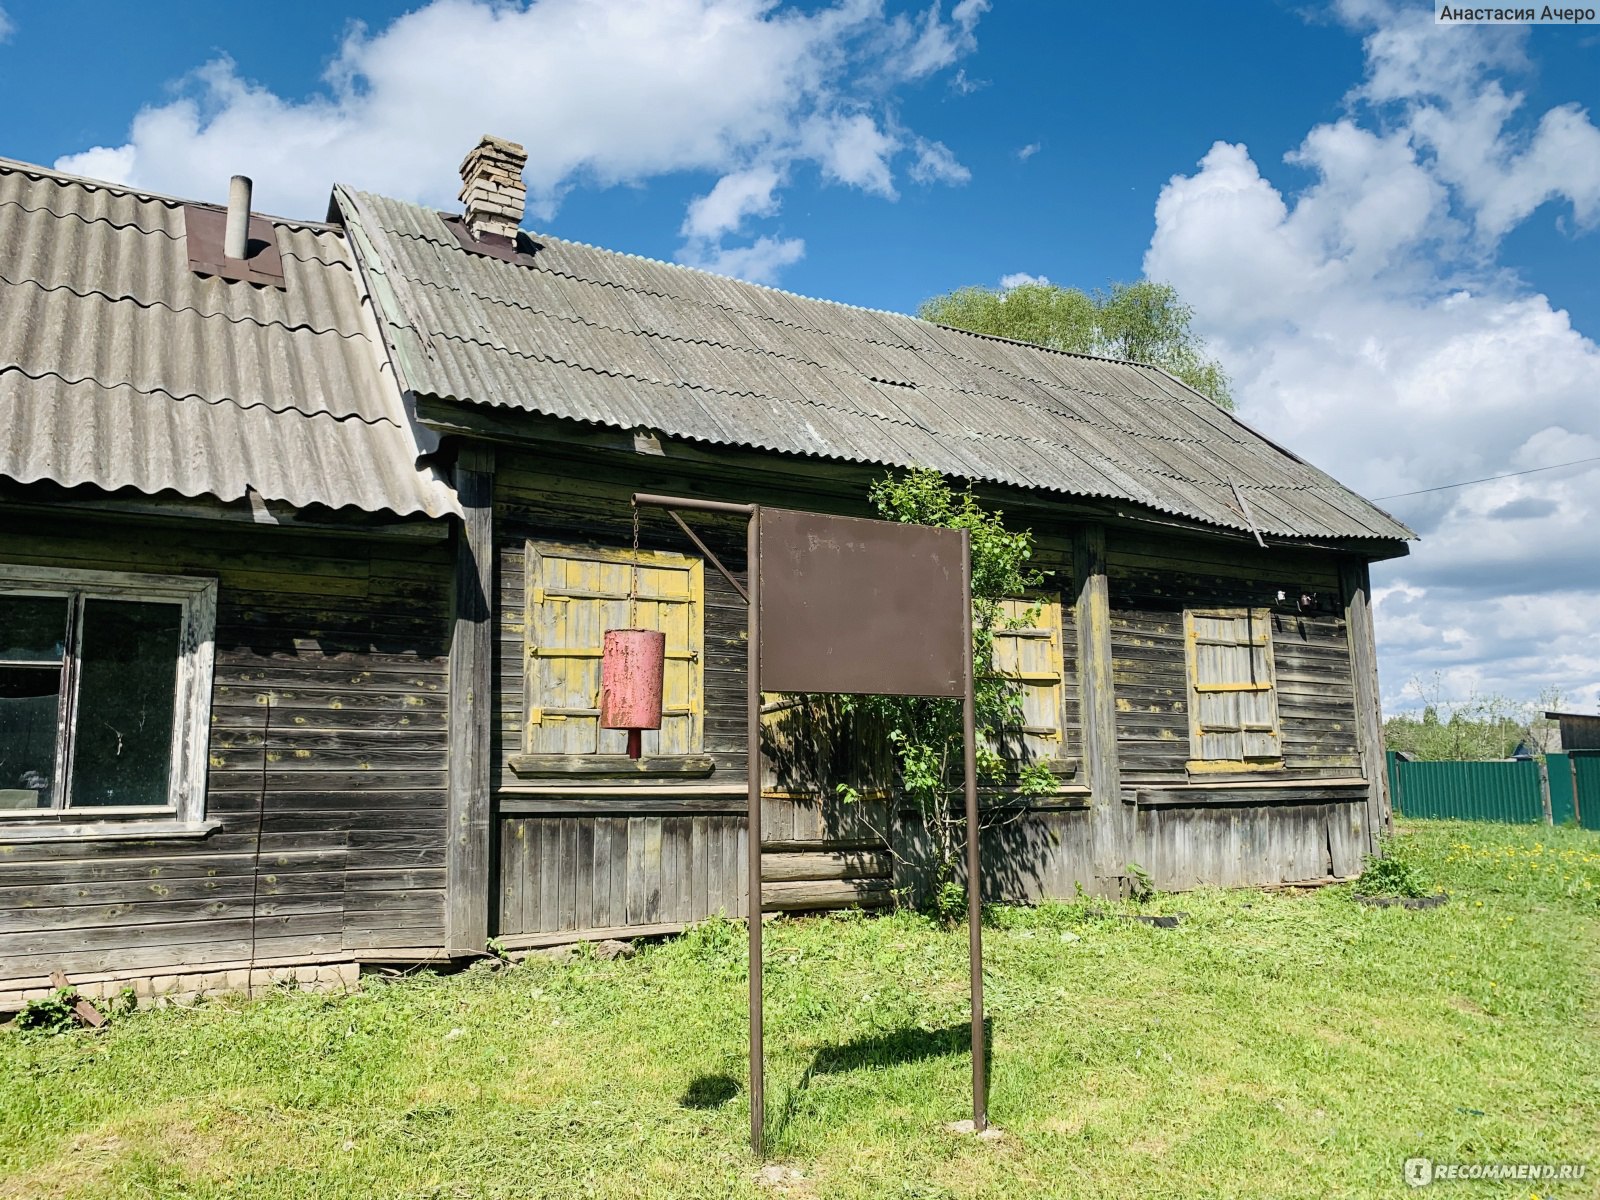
1278	792
581	767
1210	770
128	830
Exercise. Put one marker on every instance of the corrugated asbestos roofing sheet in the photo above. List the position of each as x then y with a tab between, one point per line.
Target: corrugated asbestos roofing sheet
618	340
120	367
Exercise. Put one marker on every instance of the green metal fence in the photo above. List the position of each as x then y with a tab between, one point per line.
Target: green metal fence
1586	781
1563	789
1567	788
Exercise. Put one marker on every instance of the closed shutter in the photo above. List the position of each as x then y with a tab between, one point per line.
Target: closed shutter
573	596
1233	708
1030	653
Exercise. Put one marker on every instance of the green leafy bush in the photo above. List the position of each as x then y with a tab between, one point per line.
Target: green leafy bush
949	903
1393	873
49	1014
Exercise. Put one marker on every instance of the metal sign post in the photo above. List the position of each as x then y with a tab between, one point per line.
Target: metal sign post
752	710
969	751
844	605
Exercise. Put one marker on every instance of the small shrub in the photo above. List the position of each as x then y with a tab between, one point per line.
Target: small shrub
1393	874
49	1014
948	904
1140	886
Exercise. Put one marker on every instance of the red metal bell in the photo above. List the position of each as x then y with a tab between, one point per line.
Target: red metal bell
631	666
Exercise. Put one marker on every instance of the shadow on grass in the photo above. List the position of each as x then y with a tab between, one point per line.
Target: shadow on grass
709	1091
882	1050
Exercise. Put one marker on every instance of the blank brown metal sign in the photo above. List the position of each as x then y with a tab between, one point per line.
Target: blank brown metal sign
858	606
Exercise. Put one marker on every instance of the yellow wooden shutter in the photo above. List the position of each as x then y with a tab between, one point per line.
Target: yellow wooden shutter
1031	654
1233	706
575	594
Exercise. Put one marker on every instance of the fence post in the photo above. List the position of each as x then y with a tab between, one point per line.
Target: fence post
1577	796
1544	790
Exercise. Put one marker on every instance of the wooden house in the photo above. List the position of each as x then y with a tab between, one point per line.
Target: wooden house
224	604
400	677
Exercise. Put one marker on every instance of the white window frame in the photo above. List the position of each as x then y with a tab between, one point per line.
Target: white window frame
184	813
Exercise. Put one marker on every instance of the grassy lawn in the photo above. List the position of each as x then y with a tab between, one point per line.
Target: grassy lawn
1273	1044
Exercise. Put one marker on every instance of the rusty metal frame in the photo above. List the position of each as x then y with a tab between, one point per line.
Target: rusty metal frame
752	597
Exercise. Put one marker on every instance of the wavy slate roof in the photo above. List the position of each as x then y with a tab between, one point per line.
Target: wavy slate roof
120	367
613	339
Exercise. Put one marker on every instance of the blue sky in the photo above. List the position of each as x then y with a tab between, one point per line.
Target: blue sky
1387	229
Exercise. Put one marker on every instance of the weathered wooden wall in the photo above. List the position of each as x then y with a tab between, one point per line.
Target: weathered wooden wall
1297	823
1267	839
604	874
615	854
556	862
1042	853
1301	821
543	499
348	637
327	754
1154	580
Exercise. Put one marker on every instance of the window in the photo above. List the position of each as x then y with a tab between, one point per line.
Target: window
575	594
1030	653
105	685
1233	709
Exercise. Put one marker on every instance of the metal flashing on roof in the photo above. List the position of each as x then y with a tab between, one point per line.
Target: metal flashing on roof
203	236
492	245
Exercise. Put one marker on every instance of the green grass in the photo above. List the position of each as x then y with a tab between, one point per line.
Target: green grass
1274	1044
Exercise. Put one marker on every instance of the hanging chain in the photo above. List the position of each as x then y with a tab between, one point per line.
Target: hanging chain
633	580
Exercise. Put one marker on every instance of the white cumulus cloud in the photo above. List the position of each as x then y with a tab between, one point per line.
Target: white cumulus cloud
759	262
601	92
926	43
723	209
937	163
1368	321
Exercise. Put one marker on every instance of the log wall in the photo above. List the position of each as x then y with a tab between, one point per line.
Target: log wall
327	762
1153	580
1300	821
1305	821
346	782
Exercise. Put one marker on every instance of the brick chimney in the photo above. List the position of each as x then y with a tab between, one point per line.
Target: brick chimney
492	187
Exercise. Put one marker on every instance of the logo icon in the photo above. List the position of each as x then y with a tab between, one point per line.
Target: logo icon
1419	1172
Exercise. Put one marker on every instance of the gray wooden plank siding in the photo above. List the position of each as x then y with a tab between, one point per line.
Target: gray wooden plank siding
348	639
540	501
1153	581
1045	853
1041	855
571	874
1241	845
